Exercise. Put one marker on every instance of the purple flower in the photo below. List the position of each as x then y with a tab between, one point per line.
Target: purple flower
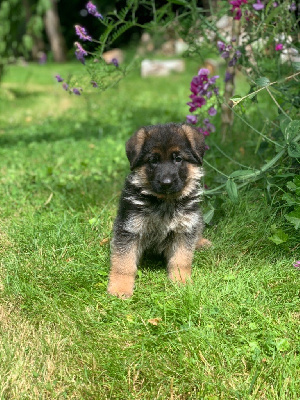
195	84
209	126
198	101
212	111
297	264
115	62
238	53
279	47
203	72
237	3
238	14
202	88
236	7
213	79
203	131
191	119
225	54
275	4
232	62
81	32
228	76
94	83
65	86
80	53
258	5
92	9
293	7
76	91
221	46
59	78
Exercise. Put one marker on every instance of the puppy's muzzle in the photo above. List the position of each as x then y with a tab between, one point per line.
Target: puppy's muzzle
166	182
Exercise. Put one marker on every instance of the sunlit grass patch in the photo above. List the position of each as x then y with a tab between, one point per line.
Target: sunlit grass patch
232	333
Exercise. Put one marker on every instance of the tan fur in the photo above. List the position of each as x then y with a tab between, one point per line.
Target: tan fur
122	273
190	134
194	174
135	144
203	243
180	264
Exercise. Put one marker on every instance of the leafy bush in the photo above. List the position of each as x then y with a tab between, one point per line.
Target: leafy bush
261	46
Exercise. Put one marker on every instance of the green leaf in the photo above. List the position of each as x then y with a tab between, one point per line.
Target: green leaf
263	81
180	2
297	181
294	150
279	237
282	345
284	122
243	174
236	98
292	130
208	216
28	42
296	66
292	186
271	16
290	199
232	190
294	218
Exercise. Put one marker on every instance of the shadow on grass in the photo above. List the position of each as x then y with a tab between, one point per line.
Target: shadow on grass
81	126
18	93
152	262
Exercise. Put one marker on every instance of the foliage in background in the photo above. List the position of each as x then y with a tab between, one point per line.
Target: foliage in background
261	45
21	26
11	15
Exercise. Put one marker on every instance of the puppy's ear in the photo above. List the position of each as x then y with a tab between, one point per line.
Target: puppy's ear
134	147
196	140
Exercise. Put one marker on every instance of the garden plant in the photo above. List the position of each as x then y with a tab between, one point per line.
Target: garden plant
234	332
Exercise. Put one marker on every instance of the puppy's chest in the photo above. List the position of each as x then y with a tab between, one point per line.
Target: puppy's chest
156	222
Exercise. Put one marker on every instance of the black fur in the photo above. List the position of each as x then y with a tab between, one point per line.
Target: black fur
159	206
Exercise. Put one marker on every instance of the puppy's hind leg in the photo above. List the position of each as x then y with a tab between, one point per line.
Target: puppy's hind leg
203	243
123	271
179	266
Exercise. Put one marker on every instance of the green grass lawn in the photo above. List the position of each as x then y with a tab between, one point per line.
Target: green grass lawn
232	334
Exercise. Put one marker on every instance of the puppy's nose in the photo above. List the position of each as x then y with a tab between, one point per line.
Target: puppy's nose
167	181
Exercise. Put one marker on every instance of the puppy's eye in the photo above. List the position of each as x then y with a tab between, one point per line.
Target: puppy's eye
154	160
177	159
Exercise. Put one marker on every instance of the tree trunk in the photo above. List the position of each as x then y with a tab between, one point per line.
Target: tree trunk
38	43
53	30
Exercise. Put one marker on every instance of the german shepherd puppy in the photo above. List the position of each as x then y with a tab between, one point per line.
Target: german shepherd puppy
159	206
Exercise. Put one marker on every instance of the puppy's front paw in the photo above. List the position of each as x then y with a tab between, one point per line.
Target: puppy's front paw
121	286
179	275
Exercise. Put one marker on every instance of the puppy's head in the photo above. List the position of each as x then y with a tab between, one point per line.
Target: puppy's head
165	155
